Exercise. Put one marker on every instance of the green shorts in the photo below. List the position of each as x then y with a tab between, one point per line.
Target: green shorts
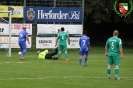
62	47
114	59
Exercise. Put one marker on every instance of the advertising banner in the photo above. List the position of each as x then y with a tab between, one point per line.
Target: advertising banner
3	8
53	29
4	42
45	42
15	29
49	42
17	11
41	14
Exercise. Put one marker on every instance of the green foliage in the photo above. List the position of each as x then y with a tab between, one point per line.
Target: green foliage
98	11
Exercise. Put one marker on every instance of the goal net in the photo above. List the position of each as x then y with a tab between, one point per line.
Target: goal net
5	33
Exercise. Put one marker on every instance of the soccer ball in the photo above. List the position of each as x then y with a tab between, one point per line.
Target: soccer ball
19	53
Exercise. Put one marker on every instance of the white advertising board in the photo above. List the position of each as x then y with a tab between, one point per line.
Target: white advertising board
15	29
53	29
49	42
4	42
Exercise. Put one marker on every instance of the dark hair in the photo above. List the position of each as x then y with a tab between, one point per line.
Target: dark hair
24	27
84	32
62	29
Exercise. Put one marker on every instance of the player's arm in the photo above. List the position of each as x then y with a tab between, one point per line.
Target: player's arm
120	49
27	38
68	41
121	52
79	41
106	49
89	47
56	42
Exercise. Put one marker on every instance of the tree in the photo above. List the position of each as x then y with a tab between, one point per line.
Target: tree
98	11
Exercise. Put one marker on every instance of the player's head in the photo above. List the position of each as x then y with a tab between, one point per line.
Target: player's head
115	33
38	52
62	29
84	32
24	28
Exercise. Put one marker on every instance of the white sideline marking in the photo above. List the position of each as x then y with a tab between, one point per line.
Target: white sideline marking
128	78
14	62
6	62
22	62
49	61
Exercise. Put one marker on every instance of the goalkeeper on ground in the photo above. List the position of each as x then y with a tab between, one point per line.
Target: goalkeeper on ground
46	55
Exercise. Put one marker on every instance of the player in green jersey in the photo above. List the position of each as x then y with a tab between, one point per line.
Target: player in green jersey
62	43
114	51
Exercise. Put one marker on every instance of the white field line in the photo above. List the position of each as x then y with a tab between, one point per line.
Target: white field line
23	62
65	77
63	60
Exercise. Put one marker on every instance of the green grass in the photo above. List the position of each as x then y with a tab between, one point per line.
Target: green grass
35	73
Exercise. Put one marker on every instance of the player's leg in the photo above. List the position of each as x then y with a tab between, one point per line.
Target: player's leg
81	53
117	63
86	57
24	48
20	47
110	63
50	56
59	51
52	53
66	53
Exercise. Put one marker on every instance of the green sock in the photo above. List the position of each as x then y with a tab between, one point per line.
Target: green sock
59	55
108	71
116	72
66	55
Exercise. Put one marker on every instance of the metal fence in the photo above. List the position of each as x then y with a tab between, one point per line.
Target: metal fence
42	3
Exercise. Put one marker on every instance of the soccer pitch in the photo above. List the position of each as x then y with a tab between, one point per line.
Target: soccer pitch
35	73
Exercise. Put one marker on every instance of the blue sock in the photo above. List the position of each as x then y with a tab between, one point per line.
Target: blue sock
23	53
80	61
86	59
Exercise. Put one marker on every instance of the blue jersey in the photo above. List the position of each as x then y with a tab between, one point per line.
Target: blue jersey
22	36
83	42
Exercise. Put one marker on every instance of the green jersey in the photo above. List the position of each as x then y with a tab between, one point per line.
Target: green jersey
113	44
62	37
42	54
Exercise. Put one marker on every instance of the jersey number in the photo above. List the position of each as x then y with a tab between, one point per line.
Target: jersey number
62	37
20	35
112	45
84	42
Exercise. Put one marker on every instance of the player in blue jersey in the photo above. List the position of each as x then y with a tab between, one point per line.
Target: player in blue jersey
23	36
84	43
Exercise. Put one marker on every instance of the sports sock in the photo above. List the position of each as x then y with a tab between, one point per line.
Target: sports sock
80	61
66	55
108	71
86	59
116	72
23	53
59	55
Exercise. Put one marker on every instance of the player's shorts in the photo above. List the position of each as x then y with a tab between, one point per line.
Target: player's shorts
62	47
114	59
83	51
22	46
